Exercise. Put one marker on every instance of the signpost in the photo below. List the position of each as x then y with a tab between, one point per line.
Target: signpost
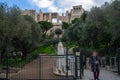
78	63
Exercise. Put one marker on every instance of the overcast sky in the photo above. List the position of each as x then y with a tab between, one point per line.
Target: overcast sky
59	6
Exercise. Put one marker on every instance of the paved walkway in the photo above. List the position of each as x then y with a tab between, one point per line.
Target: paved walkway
104	75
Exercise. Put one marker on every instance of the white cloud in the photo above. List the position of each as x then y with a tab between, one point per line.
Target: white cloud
63	5
54	9
67	4
43	3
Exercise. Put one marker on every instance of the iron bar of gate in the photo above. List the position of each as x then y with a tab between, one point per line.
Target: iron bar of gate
42	66
118	60
75	73
7	68
80	67
67	59
39	67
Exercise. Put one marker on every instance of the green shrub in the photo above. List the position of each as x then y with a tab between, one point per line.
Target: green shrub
19	62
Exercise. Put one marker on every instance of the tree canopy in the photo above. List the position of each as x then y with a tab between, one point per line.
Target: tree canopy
45	26
58	32
98	28
17	32
65	25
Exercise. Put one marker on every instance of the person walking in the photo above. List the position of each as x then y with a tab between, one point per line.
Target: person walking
95	65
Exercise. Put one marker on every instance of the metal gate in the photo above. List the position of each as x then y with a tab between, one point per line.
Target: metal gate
30	70
48	68
45	67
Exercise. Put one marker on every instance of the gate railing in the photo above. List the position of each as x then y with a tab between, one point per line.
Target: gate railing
54	67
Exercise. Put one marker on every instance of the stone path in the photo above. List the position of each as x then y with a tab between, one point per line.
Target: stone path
104	75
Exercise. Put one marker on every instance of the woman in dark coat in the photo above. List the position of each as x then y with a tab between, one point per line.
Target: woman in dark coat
95	65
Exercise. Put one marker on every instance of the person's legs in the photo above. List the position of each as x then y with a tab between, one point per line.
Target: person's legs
83	71
97	75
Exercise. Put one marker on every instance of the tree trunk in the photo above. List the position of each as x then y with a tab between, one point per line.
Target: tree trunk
24	54
58	36
3	53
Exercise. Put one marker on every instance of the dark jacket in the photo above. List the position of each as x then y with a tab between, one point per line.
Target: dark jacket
95	67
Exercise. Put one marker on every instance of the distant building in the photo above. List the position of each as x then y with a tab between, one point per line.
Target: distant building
76	12
31	13
54	17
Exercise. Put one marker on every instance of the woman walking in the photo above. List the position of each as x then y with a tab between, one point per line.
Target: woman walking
95	65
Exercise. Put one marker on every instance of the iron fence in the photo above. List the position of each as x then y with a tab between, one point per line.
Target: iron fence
49	68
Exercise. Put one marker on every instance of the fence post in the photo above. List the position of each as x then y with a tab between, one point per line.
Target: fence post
7	68
0	65
40	67
67	59
118	60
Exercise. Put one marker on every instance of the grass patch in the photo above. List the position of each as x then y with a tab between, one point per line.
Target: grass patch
45	50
